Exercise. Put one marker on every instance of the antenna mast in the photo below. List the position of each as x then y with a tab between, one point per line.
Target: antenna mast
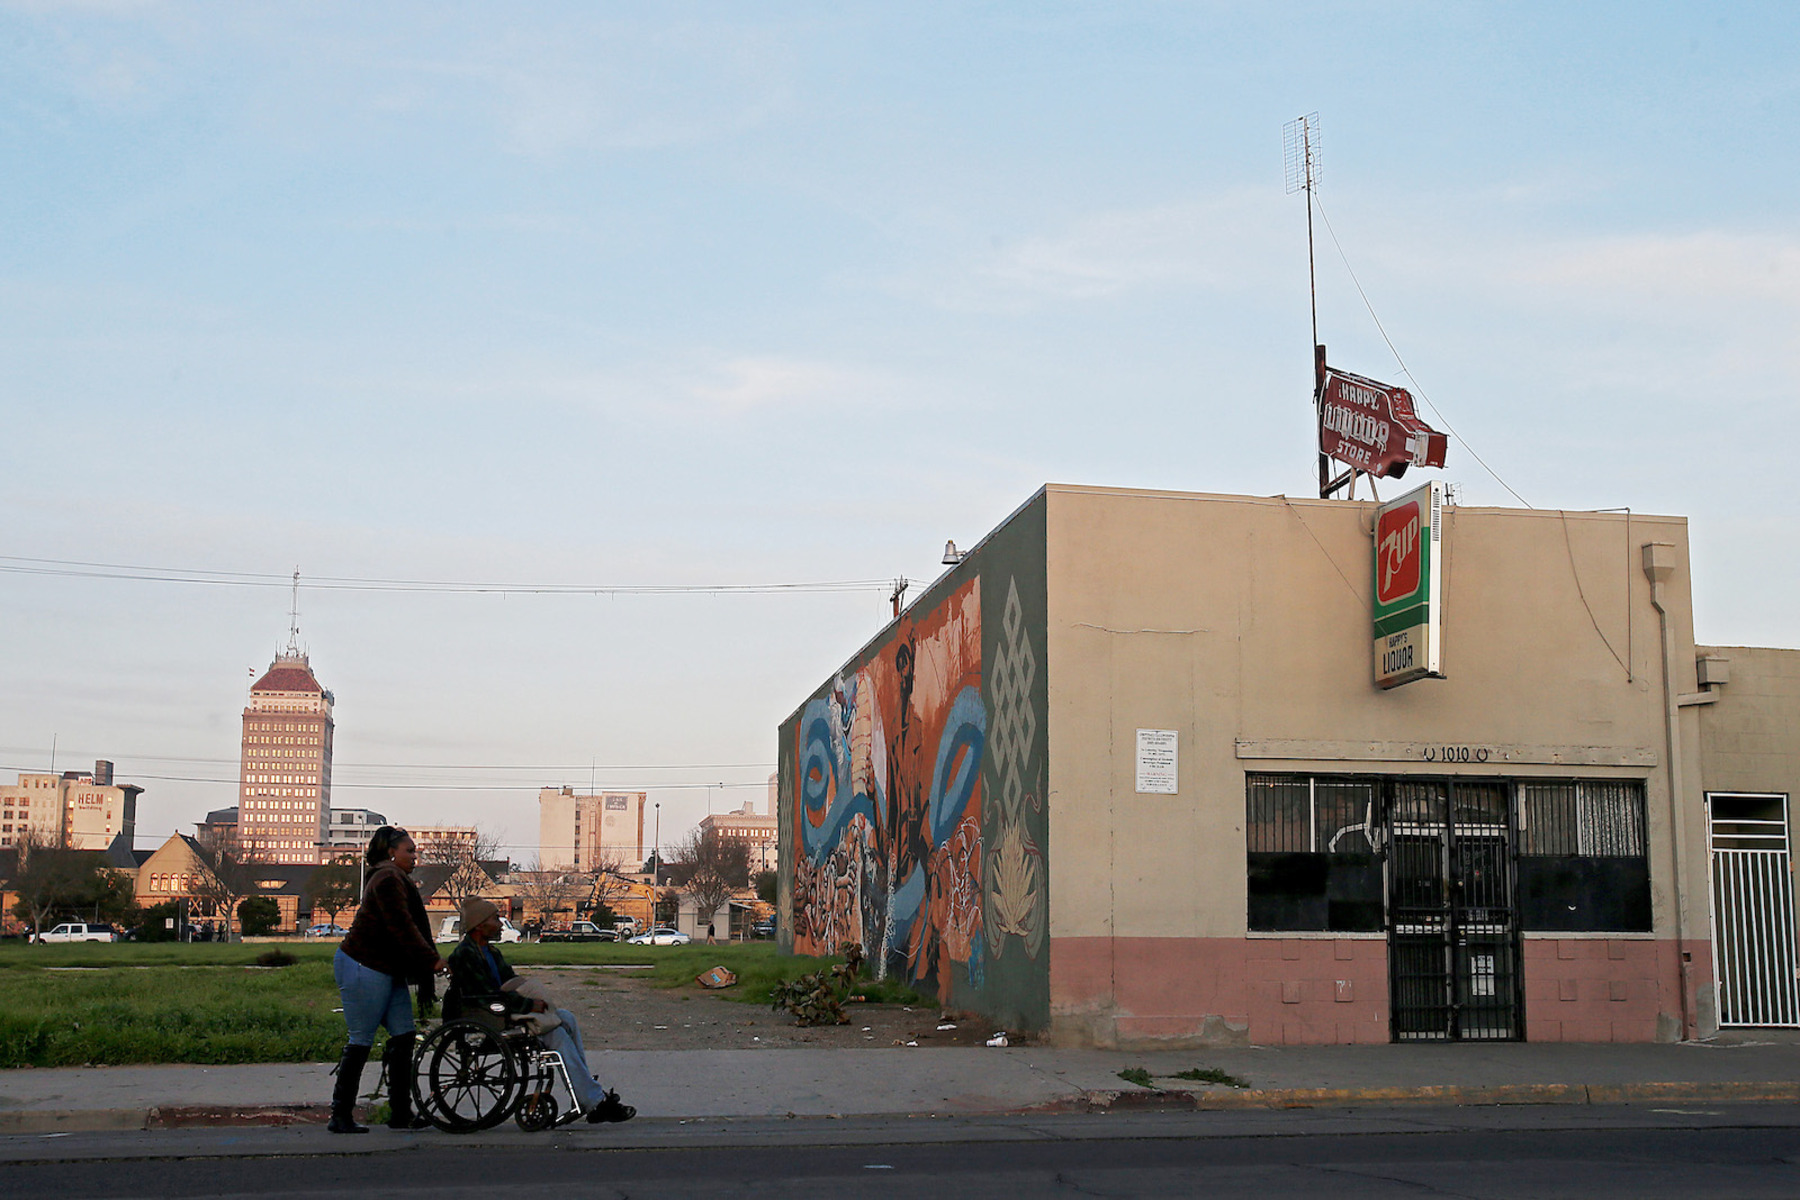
294	618
1300	153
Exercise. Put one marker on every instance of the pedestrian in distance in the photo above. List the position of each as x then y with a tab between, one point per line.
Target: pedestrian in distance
388	947
479	977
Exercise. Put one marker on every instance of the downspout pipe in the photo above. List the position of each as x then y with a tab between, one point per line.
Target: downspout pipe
1659	565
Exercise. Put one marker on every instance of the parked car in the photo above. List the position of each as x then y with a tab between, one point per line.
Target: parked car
451	930
763	929
77	931
662	935
579	931
336	931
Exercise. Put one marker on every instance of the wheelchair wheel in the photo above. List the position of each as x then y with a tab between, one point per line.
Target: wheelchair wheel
469	1077
537	1111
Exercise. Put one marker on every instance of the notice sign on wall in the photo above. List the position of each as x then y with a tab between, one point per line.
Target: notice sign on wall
1409	587
1158	762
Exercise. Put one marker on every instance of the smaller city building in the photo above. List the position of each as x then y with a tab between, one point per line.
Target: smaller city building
81	810
350	829
1156	768
601	831
757	831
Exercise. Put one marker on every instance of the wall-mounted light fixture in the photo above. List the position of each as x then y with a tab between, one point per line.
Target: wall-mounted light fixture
952	555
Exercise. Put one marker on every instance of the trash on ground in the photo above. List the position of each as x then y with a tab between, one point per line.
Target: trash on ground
947	1025
716	978
999	1039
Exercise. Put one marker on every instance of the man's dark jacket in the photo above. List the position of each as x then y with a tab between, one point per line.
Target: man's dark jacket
475	981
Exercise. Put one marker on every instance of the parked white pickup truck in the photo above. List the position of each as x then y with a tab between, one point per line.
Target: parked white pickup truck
451	930
76	931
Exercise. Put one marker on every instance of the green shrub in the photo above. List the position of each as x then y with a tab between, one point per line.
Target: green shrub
258	915
818	998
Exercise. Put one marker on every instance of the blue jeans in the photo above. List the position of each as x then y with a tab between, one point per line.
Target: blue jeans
371	999
565	1039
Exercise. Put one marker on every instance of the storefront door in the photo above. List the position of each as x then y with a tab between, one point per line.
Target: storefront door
1753	909
1453	936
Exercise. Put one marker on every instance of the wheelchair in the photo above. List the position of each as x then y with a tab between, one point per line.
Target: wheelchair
475	1071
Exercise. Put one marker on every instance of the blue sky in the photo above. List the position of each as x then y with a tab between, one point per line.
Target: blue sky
619	294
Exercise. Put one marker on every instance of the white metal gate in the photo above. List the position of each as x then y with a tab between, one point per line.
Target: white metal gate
1753	909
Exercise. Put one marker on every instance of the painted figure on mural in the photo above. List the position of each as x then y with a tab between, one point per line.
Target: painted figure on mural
889	830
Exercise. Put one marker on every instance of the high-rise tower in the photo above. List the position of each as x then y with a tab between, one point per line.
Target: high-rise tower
284	786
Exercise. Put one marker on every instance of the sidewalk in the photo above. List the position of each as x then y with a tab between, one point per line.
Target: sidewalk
902	1082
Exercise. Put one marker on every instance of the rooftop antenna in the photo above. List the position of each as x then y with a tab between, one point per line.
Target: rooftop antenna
293	648
1300	156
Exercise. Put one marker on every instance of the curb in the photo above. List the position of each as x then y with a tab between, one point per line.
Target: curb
168	1116
220	1116
1185	1100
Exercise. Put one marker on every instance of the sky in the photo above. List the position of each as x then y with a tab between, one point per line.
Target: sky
689	295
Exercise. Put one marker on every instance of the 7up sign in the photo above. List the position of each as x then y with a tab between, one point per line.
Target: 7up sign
1409	587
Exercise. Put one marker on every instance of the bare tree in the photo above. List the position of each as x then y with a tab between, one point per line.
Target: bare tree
226	870
549	890
464	856
609	881
44	874
708	867
332	888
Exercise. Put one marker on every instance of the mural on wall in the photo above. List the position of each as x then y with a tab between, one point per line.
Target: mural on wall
913	809
1017	898
888	829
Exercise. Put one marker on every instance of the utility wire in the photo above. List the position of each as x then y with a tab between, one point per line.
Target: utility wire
1406	370
17	565
522	768
336	784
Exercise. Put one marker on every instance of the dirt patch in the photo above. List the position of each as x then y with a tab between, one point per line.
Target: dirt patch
618	1011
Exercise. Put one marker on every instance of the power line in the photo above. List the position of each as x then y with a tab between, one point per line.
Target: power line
18	565
351	785
1406	370
522	768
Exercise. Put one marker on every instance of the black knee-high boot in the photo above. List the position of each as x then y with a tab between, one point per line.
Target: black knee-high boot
343	1096
397	1064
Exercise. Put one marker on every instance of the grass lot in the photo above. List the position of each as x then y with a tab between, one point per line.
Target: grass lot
169	1002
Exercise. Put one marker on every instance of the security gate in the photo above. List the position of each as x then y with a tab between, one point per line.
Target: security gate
1753	909
1453	936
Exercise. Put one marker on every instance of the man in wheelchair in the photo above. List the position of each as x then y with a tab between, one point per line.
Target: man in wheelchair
480	978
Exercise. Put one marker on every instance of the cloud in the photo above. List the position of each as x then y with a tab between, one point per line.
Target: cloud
753	383
1213	244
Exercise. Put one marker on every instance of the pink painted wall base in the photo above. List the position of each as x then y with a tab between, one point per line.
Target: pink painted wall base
1179	992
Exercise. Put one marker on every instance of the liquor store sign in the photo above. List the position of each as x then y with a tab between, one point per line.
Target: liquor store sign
1409	589
1373	427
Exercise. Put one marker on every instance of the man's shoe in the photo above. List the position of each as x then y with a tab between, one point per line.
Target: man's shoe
610	1111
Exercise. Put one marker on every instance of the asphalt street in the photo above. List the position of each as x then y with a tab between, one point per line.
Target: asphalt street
1525	1151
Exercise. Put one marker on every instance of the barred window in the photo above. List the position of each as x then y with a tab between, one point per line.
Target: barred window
1584	862
1297	814
1311	845
1597	819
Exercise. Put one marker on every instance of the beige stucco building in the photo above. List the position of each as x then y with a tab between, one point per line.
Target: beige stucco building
591	832
1124	776
83	810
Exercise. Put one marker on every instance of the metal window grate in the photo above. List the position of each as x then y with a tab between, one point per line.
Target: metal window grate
1589	818
1279	816
1302	814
